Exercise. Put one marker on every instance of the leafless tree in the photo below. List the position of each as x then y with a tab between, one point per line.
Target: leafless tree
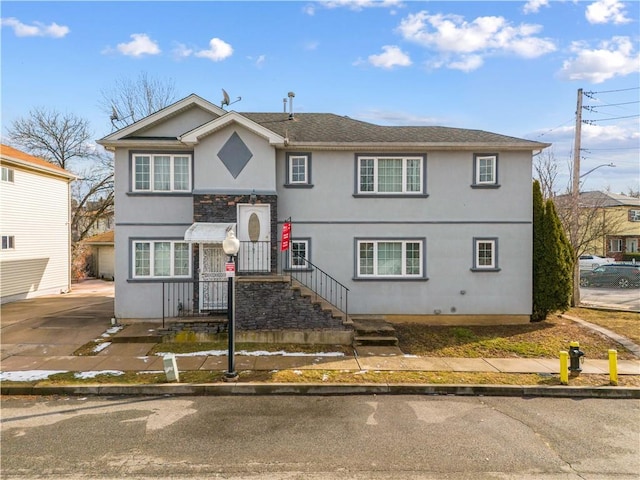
129	99
66	141
545	169
59	138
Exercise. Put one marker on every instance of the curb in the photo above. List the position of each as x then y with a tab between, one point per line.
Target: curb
328	390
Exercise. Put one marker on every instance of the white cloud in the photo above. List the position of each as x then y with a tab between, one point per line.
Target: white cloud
181	51
140	45
606	11
258	61
355	5
533	6
38	29
614	57
466	63
391	57
452	35
218	50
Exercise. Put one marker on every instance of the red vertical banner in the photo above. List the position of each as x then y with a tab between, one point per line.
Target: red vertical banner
286	236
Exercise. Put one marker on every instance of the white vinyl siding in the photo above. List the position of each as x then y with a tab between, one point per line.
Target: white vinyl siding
390	175
161	173
35	212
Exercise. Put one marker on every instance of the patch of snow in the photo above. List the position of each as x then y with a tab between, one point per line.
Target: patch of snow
100	347
28	375
112	331
325	377
298	372
95	373
407	355
361	372
257	353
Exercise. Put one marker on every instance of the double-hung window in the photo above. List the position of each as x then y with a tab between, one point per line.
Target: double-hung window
161	173
390	175
389	258
485	254
7	174
8	242
485	170
615	245
298	170
634	215
161	258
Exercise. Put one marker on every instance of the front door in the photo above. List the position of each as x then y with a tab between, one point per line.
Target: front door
254	233
213	281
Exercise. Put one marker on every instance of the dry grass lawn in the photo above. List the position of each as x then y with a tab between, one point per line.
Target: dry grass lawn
534	340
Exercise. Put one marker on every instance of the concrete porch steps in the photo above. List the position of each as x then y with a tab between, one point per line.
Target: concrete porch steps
374	333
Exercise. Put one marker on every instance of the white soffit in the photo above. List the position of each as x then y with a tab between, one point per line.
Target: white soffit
203	232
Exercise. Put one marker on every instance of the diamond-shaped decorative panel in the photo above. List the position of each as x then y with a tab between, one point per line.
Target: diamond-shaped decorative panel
235	155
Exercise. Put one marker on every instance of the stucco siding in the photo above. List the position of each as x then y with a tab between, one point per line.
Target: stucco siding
213	176
35	211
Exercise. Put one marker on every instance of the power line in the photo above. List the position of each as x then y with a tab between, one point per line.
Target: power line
594	122
589	94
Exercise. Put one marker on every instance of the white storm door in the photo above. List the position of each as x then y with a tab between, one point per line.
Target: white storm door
254	233
213	281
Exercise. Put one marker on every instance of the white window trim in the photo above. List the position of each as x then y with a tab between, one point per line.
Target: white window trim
494	165
404	243
291	264
10	242
306	170
404	174
151	259
10	175
494	252
151	156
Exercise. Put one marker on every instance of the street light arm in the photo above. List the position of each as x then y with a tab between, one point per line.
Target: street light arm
595	168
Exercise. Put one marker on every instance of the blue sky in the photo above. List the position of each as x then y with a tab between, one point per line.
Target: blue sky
508	67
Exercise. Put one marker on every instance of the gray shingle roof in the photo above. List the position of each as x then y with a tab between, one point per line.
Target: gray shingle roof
328	127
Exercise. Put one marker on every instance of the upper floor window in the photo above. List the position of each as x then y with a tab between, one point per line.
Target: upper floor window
485	170
161	173
161	258
389	258
298	169
390	175
485	254
8	242
634	215
7	174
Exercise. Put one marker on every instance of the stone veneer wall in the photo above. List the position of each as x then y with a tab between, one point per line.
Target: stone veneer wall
271	304
221	208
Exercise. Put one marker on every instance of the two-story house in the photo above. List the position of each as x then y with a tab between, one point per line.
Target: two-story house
35	214
418	223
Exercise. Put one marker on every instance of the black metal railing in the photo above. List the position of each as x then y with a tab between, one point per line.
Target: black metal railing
317	280
202	298
193	298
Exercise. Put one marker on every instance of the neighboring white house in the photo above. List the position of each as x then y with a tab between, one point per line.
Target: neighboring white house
418	223
34	223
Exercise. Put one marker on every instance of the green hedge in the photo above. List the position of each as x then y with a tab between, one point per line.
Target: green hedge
630	257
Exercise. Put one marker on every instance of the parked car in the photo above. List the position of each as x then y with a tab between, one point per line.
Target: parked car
617	275
589	262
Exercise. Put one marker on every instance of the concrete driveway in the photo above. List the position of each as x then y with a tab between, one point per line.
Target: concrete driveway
615	298
56	324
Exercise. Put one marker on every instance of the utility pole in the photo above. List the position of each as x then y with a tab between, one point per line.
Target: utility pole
575	202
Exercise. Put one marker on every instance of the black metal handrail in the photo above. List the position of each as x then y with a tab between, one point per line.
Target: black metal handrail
193	298
318	281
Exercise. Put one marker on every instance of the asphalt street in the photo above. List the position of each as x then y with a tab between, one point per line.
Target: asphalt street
345	437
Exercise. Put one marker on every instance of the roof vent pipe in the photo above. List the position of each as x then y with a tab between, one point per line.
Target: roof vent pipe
291	95
284	105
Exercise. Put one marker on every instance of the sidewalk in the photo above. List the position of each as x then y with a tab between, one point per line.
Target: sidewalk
39	337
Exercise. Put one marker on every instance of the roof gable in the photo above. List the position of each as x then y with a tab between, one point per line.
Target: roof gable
17	157
160	116
196	134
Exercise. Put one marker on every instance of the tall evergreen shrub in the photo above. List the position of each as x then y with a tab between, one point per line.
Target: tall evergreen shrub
552	260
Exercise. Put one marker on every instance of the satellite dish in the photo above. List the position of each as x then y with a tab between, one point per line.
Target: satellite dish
225	98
